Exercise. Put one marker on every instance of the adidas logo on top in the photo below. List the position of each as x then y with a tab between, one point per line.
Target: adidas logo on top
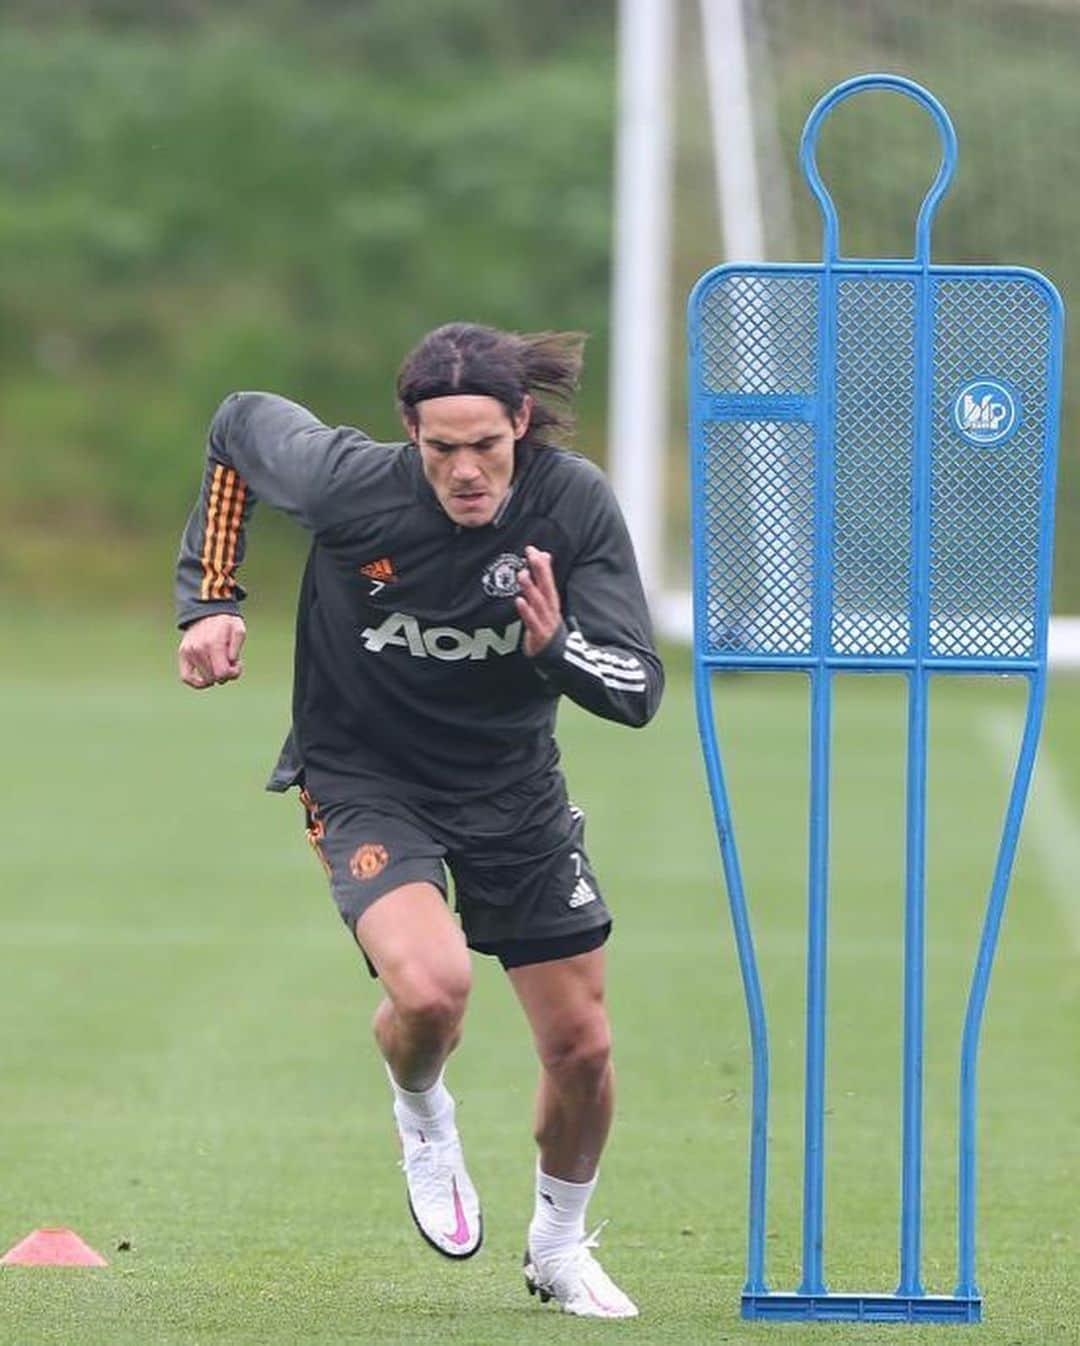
380	570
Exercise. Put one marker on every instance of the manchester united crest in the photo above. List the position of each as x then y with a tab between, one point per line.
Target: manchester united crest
368	861
500	579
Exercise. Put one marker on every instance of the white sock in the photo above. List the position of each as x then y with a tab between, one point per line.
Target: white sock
558	1222
423	1114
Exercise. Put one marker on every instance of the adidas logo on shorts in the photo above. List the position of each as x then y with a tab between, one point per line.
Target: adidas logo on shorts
583	892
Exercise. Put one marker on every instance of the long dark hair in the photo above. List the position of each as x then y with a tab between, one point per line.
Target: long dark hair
464	357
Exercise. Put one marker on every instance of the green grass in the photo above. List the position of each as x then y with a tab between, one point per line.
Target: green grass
186	1062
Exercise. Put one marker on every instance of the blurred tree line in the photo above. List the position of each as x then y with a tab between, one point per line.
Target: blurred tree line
197	196
201	195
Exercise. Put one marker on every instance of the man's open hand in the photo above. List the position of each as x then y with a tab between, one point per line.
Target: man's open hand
210	650
538	602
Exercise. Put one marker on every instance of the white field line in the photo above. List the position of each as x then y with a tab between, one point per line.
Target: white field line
1049	821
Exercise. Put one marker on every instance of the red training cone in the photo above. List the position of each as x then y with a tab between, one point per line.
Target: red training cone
54	1248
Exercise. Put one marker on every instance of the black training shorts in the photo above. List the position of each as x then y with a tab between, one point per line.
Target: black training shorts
523	886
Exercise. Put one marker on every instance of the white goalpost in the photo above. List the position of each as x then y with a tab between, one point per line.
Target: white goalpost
641	298
641	283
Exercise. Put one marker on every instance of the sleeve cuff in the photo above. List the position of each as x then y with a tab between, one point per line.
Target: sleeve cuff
191	613
550	657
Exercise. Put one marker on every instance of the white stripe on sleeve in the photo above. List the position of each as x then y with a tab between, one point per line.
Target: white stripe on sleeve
619	682
623	662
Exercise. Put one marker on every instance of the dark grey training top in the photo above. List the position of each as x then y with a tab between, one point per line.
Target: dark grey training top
410	676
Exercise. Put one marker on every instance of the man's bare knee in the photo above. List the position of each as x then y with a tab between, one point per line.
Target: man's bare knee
432	1004
578	1055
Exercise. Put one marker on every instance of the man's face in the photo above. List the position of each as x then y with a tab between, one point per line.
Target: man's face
466	444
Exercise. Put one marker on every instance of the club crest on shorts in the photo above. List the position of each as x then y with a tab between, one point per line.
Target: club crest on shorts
985	412
500	579
368	861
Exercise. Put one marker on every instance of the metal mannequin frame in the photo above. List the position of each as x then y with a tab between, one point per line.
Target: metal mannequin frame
763	433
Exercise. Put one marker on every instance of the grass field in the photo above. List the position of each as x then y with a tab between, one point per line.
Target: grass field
186	1063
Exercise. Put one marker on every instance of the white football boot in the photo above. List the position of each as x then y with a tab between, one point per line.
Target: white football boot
578	1283
442	1199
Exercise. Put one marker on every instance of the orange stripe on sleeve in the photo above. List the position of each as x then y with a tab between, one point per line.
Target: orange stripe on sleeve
222	530
224	585
211	532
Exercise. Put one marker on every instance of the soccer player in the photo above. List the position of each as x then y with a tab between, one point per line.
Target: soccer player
457	585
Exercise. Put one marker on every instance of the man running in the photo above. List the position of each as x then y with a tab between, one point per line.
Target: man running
457	585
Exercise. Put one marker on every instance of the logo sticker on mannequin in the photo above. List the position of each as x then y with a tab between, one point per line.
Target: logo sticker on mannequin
985	412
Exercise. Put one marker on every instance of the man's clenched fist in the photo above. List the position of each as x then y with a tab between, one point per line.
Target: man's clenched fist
210	650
